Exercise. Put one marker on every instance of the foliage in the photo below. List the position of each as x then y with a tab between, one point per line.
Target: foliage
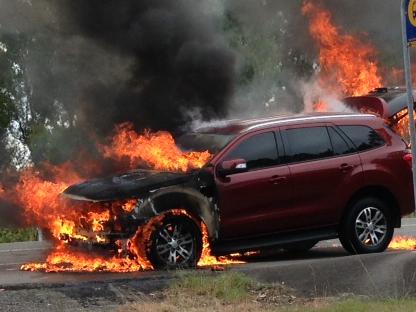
17	235
268	64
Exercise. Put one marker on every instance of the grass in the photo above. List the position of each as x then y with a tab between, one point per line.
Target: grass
204	291
17	235
229	287
226	292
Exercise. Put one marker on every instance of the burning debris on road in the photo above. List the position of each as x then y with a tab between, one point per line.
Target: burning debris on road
403	243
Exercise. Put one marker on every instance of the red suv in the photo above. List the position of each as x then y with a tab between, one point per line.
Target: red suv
284	182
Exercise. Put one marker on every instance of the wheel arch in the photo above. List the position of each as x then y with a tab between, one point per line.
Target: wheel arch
188	199
381	193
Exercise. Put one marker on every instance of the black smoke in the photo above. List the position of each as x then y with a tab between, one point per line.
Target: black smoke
110	61
179	62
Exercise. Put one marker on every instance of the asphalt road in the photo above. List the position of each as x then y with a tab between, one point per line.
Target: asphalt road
315	270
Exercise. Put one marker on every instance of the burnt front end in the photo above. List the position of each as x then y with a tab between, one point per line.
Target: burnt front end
100	224
108	210
112	210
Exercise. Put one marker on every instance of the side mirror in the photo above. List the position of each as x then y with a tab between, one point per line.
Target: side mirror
228	167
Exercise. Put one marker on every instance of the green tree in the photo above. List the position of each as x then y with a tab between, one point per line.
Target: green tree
269	65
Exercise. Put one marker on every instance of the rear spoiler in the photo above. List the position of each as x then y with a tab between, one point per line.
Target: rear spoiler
376	106
368	104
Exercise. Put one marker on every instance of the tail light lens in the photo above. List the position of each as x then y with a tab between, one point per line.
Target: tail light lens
408	159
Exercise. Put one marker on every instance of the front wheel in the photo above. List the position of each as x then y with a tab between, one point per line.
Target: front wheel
368	227
175	243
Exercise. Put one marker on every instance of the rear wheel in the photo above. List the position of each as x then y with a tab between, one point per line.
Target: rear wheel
175	243
368	227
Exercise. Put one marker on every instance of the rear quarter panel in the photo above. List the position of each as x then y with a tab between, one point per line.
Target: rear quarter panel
385	167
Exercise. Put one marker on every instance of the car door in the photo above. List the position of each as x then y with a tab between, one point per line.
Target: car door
248	199
323	165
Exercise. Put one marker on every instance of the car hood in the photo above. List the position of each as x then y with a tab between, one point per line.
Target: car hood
127	185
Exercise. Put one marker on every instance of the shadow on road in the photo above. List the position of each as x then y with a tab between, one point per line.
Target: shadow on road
281	255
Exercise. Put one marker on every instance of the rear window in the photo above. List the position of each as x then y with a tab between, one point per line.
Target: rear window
305	144
363	137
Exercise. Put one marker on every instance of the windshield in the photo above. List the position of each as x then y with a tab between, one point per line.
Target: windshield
201	142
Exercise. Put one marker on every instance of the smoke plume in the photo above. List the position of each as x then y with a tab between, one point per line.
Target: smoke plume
112	61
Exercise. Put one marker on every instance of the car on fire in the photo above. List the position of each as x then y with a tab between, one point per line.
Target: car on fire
387	103
281	182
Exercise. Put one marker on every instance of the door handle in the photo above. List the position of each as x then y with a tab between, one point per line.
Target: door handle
346	167
277	180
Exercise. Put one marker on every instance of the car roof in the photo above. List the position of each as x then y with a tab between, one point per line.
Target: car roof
236	126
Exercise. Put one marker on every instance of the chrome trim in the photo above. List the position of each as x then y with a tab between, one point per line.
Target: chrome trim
305	119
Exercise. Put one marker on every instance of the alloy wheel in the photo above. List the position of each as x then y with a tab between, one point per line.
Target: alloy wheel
175	244
371	226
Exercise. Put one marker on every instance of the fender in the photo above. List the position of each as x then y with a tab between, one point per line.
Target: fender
182	197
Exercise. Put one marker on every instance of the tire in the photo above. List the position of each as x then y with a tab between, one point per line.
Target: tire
300	247
175	244
367	227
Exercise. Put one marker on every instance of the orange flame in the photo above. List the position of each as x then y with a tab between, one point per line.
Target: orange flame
129	206
207	259
42	203
39	195
401	124
157	150
403	243
62	259
98	219
320	107
344	58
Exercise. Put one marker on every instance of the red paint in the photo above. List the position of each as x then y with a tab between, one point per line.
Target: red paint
310	194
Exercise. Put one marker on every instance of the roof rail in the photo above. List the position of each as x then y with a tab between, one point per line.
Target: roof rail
276	122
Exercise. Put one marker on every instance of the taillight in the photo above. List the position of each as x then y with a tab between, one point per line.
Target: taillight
408	159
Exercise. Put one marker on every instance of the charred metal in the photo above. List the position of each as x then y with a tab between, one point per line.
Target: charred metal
156	192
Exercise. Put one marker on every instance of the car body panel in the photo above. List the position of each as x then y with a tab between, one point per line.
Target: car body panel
126	185
243	214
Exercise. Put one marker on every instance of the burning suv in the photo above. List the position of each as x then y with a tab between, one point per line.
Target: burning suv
281	182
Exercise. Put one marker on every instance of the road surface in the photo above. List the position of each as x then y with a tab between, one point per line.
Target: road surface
328	258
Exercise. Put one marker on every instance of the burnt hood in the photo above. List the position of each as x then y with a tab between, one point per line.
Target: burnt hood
123	186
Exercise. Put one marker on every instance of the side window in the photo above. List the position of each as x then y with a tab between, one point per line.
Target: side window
305	144
363	137
260	151
338	143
